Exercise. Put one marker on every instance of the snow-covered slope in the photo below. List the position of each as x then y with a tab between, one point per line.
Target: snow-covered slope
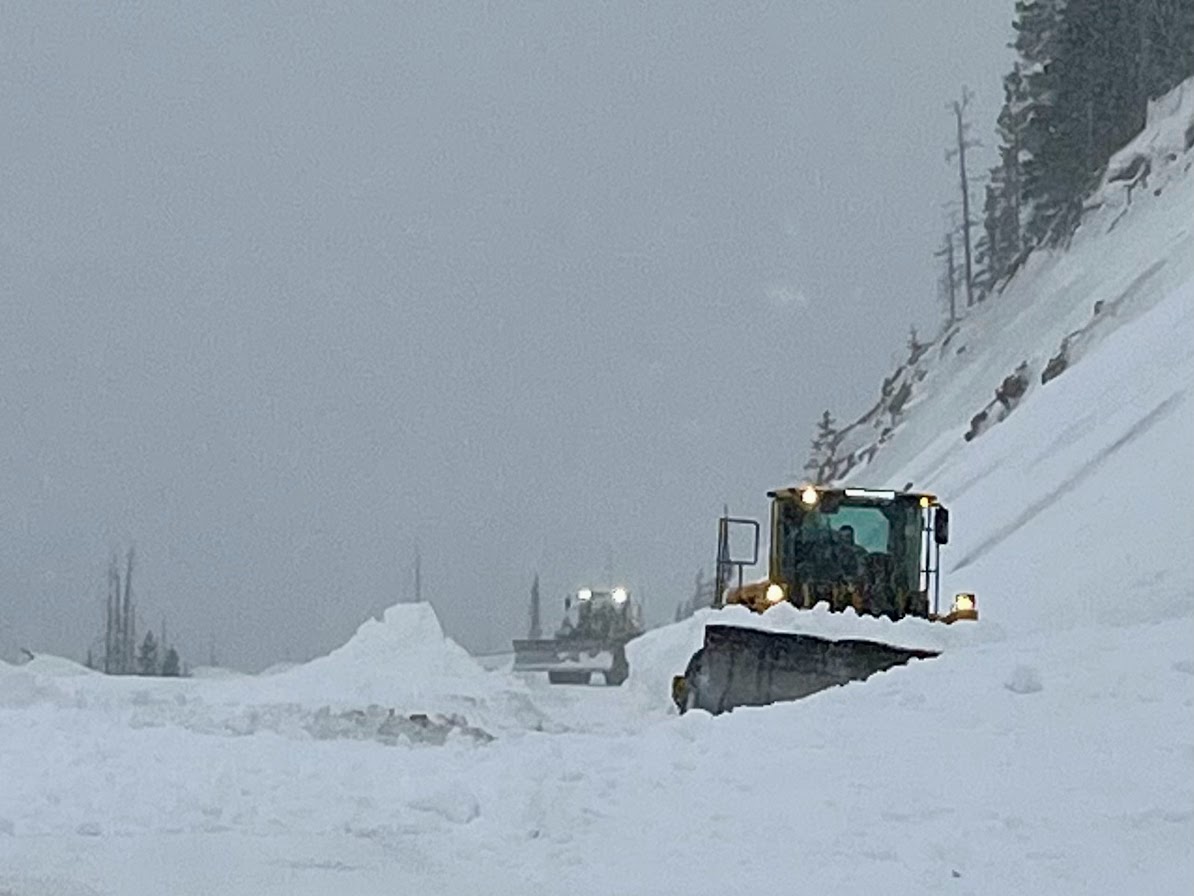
1047	750
1076	506
1134	248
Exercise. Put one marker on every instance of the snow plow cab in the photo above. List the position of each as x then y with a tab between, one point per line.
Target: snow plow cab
592	639
874	551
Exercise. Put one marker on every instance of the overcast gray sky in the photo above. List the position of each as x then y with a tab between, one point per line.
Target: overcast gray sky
286	289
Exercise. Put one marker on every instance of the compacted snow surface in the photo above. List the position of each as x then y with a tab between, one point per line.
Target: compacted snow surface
1049	749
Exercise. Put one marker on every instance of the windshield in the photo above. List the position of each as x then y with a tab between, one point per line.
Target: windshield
873	544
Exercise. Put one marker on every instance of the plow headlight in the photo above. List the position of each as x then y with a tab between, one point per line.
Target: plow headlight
964	607
584	594
620	596
775	593
808	496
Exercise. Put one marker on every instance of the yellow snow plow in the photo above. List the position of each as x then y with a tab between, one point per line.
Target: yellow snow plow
875	551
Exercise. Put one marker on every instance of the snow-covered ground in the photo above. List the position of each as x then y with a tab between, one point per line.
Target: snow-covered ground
1049	748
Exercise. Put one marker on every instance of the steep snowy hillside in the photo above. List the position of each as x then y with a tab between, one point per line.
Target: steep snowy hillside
1048	749
1072	498
1135	246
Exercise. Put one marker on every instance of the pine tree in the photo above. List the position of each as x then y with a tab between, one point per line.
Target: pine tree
536	629
820	460
916	348
147	656
171	665
1038	27
1166	45
986	249
1090	99
949	276
1002	242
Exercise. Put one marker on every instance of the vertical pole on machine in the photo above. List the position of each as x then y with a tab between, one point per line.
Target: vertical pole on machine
723	549
936	577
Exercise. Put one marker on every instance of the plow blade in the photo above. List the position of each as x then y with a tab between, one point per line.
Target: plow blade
573	662
748	667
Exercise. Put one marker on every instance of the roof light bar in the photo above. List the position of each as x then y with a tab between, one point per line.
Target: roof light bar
880	494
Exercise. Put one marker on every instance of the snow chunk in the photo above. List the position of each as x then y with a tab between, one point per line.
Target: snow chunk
454	803
43	886
1024	680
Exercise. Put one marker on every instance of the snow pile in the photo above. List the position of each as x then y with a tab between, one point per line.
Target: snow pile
393	659
406	663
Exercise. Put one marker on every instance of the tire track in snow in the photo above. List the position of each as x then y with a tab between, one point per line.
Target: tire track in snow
1137	429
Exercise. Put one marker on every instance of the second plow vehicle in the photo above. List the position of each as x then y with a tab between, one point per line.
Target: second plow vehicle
591	639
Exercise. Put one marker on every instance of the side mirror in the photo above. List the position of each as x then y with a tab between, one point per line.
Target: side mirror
567	604
738	541
941	526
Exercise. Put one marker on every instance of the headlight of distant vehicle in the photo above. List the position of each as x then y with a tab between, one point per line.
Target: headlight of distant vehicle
620	595
584	594
775	593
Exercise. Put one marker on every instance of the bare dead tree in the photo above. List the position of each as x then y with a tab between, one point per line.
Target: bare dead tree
128	620
112	619
964	142
120	613
536	628
418	575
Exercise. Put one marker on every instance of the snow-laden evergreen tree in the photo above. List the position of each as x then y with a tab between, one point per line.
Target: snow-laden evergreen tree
820	460
147	656
916	348
171	666
1166	54
1002	242
1090	68
948	283
1038	26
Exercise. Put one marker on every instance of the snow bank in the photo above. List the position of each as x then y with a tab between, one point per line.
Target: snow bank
397	680
55	667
